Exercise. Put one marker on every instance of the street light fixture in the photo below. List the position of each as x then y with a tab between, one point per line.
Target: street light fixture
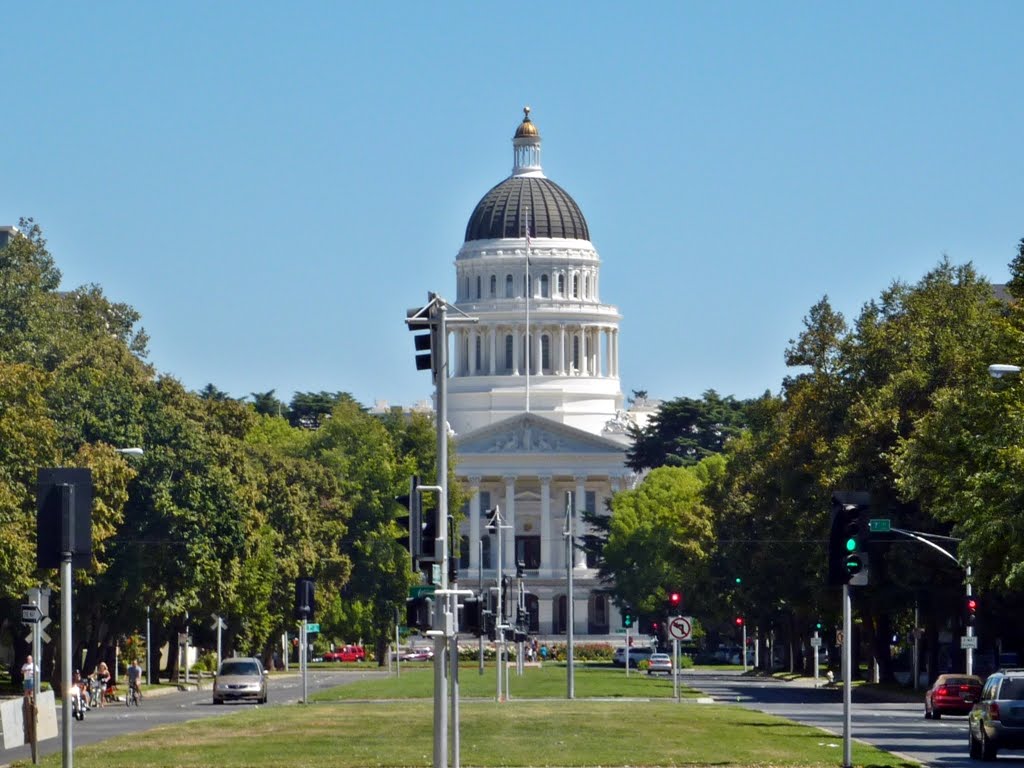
998	370
131	451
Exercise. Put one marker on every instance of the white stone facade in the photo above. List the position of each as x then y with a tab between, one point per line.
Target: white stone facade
535	401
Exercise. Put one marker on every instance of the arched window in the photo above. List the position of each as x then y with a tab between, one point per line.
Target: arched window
465	288
508	286
544	286
545	354
478	281
597	621
508	352
479	354
494	286
586	287
575	286
560	290
576	354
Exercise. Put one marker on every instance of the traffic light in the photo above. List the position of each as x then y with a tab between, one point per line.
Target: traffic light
970	610
423	322
817	627
63	517
627	618
473	616
419	613
738	621
675	599
411	522
848	538
305	599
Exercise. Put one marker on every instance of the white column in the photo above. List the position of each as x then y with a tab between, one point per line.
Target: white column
515	352
546	563
580	558
584	353
474	527
509	534
474	363
538	360
561	351
493	333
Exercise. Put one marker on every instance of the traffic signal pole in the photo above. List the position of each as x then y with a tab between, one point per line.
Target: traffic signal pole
847	676
970	628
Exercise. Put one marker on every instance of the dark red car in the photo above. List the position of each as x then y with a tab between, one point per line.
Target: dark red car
346	653
951	695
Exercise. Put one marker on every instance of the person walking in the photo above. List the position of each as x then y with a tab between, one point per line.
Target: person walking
29	670
134	683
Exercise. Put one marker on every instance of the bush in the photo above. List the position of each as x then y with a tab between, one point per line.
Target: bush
206	662
643	665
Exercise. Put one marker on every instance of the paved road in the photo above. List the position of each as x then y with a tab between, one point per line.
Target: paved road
895	727
176	707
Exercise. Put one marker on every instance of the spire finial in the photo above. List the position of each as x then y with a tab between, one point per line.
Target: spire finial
526	113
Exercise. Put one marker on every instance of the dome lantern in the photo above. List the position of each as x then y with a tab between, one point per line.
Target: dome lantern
526	148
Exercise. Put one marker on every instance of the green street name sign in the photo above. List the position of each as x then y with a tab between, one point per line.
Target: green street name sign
312	628
880	525
419	590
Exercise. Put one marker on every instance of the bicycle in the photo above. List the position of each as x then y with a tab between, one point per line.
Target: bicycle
134	695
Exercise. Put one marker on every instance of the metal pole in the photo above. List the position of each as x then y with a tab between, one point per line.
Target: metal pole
37	652
65	653
847	676
186	648
149	680
743	650
570	681
917	647
302	659
675	669
480	572
815	647
441	615
456	742
970	629
627	652
499	607
398	648
219	625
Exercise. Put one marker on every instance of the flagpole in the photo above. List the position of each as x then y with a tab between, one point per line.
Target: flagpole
529	341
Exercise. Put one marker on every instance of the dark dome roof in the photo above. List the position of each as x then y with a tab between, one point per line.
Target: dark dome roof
552	212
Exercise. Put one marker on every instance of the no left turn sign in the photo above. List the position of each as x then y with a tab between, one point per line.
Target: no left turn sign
681	628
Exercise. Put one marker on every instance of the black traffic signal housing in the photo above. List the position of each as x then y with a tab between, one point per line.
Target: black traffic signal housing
848	561
473	616
411	521
970	610
305	598
423	322
675	601
63	517
627	618
419	613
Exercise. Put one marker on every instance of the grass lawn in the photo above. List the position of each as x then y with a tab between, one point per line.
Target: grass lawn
375	723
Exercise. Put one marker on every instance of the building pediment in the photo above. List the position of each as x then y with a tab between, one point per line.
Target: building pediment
529	433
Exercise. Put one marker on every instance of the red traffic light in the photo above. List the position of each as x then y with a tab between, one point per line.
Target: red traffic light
739	621
972	605
674	599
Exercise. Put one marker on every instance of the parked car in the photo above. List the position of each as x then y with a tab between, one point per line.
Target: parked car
418	654
996	720
241	678
346	653
636	655
659	663
951	695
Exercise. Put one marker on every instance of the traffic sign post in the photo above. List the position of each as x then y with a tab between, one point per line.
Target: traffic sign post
969	641
680	627
218	625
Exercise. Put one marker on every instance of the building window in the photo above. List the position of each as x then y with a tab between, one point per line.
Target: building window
545	353
479	280
544	286
560	290
575	286
508	352
560	615
464	553
494	286
576	354
528	551
597	621
508	286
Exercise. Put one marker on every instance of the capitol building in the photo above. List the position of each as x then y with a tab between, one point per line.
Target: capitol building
534	394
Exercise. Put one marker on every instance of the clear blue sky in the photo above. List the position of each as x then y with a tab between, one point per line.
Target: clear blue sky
272	185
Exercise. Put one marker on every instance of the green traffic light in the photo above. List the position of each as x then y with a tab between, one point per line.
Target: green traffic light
739	580
851	544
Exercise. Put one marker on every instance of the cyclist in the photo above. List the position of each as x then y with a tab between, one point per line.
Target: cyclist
135	682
